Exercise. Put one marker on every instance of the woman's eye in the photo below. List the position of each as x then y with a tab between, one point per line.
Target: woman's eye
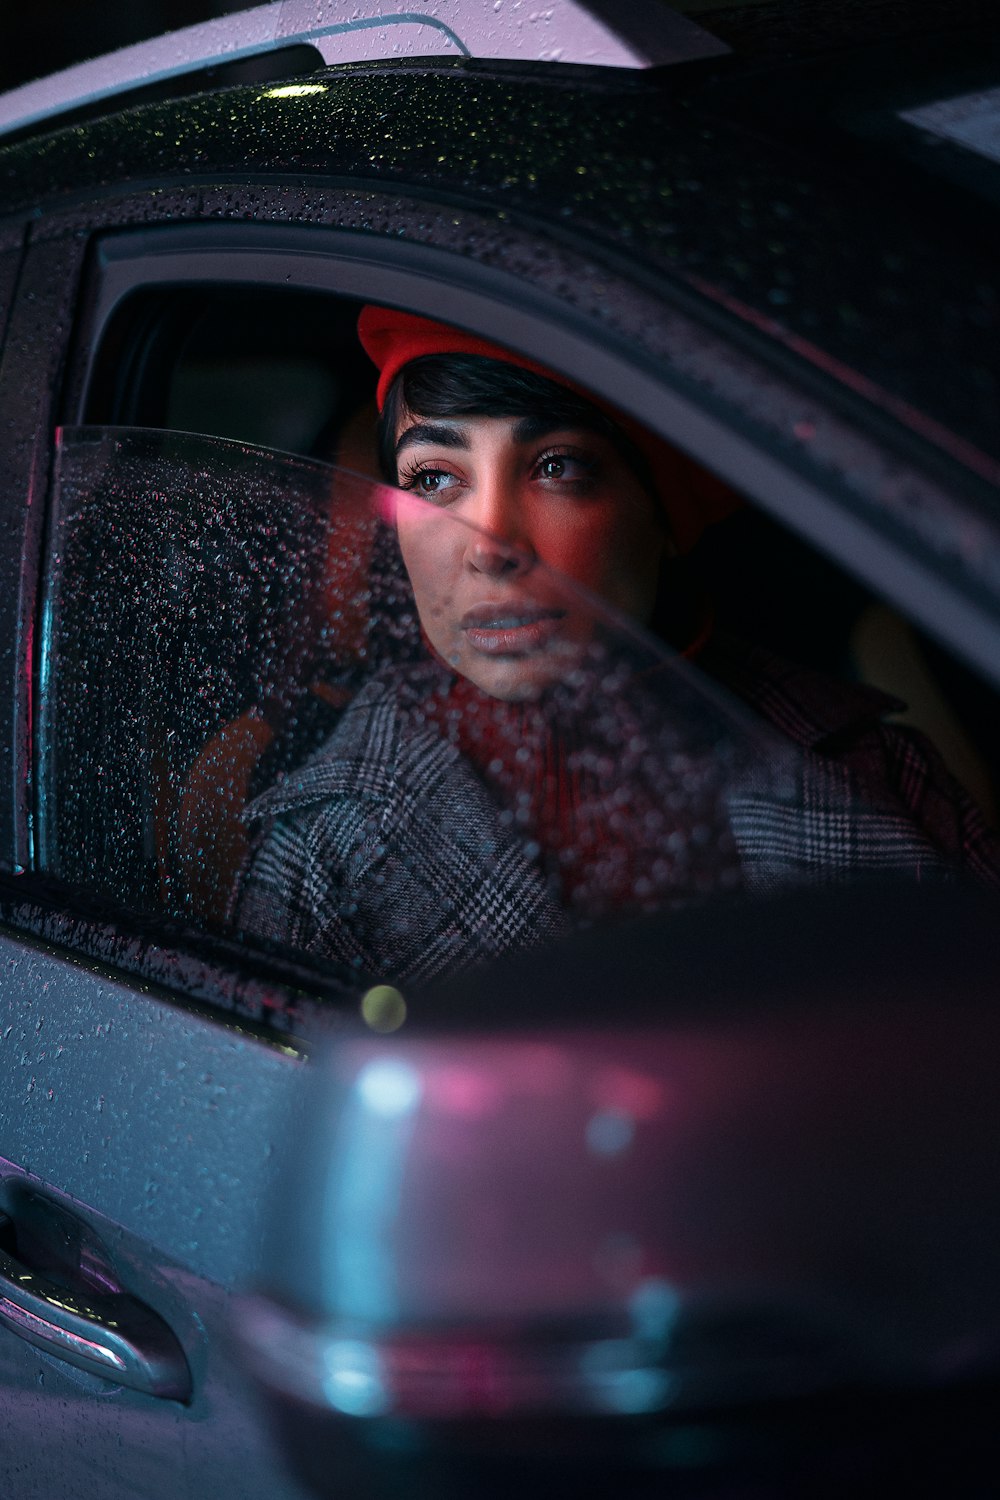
428	482
563	466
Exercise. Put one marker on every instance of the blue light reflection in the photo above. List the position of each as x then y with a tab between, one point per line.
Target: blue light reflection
363	1207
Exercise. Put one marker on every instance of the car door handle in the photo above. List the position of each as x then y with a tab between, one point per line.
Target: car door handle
112	1334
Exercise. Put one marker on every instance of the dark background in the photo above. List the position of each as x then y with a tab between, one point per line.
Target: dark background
40	37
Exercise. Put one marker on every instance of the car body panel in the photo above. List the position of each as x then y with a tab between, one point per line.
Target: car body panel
169	1163
759	250
137	1154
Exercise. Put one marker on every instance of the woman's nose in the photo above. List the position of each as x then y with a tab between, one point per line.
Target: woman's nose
500	542
495	557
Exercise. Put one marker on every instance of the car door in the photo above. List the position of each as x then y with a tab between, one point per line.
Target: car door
151	1059
138	1113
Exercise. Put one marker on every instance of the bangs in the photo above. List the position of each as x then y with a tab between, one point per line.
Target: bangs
473	385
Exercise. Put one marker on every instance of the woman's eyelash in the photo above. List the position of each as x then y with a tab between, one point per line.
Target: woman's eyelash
410	475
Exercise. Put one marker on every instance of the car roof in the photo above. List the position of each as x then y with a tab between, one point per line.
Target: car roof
596	33
341	31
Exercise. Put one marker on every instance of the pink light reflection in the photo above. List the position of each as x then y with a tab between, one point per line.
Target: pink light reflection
627	1092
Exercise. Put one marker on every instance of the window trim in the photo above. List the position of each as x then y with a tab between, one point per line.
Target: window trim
714	407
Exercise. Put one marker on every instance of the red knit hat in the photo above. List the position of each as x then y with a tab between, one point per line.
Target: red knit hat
691	496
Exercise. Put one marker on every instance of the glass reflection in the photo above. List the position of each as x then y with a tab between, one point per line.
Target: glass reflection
335	715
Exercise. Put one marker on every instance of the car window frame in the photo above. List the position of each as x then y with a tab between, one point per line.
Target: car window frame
813	457
444	271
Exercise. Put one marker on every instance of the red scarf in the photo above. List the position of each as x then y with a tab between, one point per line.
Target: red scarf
556	792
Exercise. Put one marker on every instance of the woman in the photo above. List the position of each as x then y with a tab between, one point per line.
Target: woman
490	793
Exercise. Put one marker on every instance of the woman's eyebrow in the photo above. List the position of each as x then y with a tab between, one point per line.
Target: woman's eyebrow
428	432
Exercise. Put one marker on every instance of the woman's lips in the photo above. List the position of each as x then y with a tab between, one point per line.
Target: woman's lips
514	630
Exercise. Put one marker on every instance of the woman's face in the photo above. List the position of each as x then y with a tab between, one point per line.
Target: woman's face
507	494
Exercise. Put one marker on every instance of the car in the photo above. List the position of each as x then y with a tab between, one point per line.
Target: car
764	236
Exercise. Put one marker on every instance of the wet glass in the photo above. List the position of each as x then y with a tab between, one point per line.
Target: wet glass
247	722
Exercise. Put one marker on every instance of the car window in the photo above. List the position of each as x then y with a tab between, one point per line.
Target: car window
246	723
278	367
183	573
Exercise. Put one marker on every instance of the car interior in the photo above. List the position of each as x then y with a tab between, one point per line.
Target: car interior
278	376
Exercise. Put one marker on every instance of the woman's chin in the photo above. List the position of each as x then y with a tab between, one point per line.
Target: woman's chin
516	679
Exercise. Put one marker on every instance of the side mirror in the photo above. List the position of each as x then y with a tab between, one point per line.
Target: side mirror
710	1200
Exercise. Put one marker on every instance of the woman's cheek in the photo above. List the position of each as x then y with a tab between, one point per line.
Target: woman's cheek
596	554
576	546
433	549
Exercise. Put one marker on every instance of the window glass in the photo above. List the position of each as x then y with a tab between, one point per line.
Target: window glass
282	367
184	575
273	704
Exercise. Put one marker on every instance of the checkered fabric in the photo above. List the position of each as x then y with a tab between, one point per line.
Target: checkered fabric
386	852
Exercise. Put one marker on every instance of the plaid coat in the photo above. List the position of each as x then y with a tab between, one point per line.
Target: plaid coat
386	851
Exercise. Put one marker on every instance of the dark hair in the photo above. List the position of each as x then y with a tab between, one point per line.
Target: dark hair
473	385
